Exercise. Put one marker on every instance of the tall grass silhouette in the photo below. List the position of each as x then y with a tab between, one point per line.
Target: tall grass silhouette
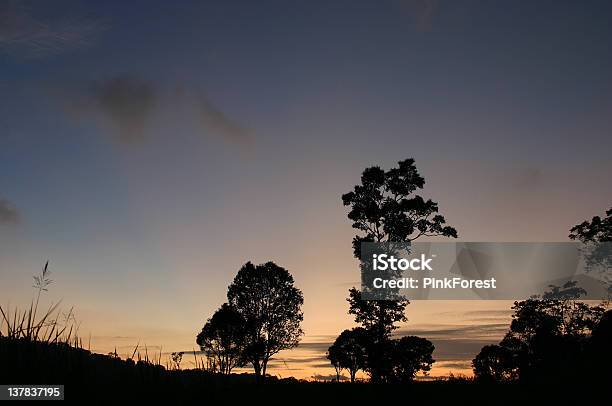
51	326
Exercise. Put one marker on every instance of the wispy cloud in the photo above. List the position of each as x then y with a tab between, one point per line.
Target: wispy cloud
9	214
455	364
480	331
29	33
489	313
459	342
527	179
320	358
329	378
219	123
128	102
481	316
322	346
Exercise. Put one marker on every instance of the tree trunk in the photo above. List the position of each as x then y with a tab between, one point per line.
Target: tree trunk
265	366
257	368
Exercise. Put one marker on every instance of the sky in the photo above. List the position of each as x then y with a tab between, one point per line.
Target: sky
149	149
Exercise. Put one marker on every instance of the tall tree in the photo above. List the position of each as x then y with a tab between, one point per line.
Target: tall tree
271	306
385	208
223	339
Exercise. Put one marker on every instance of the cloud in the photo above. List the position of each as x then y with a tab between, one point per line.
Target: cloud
9	213
528	179
114	338
455	364
320	358
459	342
317	346
466	349
489	313
127	102
321	365
329	378
217	122
482	331
29	33
481	316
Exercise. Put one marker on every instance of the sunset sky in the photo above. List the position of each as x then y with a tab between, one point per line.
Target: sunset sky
148	150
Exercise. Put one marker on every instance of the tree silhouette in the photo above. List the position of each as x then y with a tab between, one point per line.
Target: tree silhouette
410	355
177	358
270	305
600	355
376	316
349	351
556	336
596	235
333	355
602	332
548	338
494	363
596	230
223	339
386	209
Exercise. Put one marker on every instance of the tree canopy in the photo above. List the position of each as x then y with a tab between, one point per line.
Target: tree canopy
349	352
596	235
410	355
270	304
384	207
494	363
223	339
597	230
549	337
